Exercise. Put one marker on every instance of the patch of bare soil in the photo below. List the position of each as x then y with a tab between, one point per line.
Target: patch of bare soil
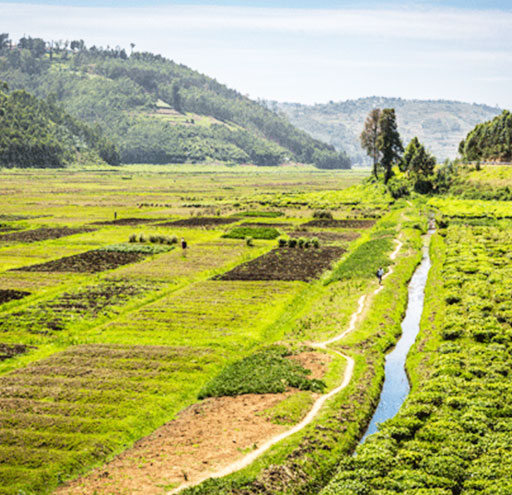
43	234
264	224
325	236
203	438
88	262
127	221
286	264
341	224
316	362
8	351
199	222
11	295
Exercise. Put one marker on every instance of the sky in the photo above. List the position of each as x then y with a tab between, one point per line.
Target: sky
301	50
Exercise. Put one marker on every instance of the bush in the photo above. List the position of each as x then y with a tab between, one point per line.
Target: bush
323	214
249	241
282	242
266	371
292	243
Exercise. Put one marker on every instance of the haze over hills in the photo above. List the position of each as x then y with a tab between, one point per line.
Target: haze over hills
155	110
439	124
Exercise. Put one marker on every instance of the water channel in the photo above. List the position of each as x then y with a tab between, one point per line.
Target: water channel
396	383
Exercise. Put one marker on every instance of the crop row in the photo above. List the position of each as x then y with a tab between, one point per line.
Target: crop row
453	435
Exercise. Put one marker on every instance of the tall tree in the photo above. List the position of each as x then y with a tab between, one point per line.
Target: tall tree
388	142
369	138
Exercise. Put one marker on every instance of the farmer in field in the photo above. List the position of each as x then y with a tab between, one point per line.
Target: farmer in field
380	274
184	246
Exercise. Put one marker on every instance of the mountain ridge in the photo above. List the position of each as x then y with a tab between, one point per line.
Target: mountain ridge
439	124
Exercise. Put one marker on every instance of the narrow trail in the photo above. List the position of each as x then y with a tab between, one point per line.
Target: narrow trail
347	376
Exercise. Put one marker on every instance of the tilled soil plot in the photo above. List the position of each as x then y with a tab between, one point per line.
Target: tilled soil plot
199	222
127	221
43	234
286	264
325	236
264	224
88	262
7	295
8	351
341	224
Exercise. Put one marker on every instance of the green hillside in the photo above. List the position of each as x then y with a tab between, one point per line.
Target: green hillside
439	124
490	141
38	133
158	111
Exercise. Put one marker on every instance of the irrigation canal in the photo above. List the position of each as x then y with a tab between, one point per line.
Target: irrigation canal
396	383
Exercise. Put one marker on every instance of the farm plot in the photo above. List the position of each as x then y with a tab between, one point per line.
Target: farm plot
325	235
43	234
202	257
200	222
8	351
127	221
348	223
98	260
230	315
74	308
77	407
286	264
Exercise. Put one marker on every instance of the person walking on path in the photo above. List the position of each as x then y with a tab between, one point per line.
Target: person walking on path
380	274
184	246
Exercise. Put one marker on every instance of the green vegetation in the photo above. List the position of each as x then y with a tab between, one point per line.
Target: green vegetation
37	133
489	141
157	111
452	434
266	372
253	232
291	410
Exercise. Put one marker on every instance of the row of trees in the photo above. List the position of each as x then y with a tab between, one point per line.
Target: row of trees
381	140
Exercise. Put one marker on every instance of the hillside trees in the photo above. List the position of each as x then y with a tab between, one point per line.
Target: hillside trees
419	165
490	140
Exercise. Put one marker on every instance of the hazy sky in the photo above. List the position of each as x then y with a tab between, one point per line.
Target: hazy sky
300	50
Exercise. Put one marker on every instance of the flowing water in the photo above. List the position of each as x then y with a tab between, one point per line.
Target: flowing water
396	383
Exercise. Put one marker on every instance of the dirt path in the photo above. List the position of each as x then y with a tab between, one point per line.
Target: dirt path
347	376
204	439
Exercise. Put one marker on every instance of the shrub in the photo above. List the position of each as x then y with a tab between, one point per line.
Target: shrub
323	214
282	242
315	242
249	241
133	238
292	243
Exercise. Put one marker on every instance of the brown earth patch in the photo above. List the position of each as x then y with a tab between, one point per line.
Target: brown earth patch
341	224
8	351
127	221
325	236
203	438
199	222
43	234
88	262
264	224
317	362
11	295
286	264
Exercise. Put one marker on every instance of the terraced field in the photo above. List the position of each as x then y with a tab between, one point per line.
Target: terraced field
103	341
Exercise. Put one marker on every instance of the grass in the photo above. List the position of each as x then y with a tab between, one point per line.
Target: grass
291	410
268	233
264	372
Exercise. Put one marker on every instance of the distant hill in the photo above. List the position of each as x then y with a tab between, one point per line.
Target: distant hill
439	124
158	111
38	133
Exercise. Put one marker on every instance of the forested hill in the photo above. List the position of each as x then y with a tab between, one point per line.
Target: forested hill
439	124
37	133
157	111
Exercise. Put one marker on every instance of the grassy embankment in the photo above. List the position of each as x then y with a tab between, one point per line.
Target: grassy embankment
453	433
